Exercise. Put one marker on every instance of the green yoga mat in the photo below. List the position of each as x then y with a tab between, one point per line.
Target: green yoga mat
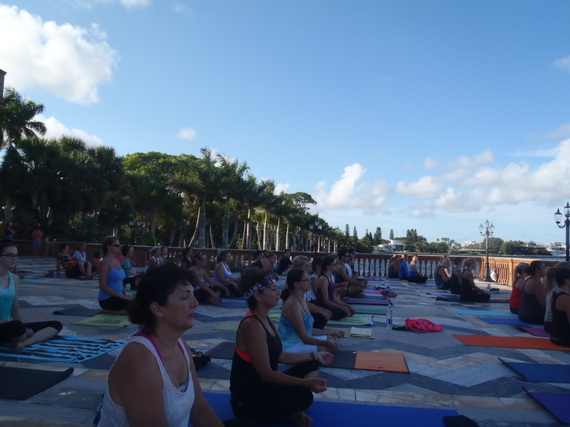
105	320
366	309
356	320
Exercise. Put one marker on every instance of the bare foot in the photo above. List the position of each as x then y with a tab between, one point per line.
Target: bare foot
300	419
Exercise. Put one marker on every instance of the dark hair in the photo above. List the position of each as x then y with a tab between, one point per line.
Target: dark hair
533	268
185	252
316	263
294	275
457	261
155	286
249	278
125	249
4	245
108	241
222	255
328	260
561	274
62	246
343	252
97	254
197	256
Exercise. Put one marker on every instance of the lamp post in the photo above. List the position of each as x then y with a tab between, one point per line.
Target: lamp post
558	220
133	224
316	225
487	231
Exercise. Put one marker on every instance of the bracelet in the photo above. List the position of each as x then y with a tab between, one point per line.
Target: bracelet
313	356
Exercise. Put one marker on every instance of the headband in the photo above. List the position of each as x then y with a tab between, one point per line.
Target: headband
254	289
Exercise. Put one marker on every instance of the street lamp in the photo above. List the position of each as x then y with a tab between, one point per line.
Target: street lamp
558	220
133	224
487	231
316	225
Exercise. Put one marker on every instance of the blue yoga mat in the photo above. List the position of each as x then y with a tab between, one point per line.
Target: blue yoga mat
328	414
558	404
543	372
503	321
483	313
65	349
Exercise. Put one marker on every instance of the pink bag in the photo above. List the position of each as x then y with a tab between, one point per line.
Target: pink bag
422	325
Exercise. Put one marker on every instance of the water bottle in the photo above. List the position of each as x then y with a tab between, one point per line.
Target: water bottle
389	313
128	291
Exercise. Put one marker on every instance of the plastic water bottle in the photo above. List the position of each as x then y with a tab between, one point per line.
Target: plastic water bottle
128	291
389	313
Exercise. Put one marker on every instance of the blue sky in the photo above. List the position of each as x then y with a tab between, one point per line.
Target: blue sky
433	115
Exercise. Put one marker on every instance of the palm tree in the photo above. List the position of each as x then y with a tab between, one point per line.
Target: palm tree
17	119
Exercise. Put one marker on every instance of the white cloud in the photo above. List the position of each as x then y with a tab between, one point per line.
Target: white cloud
348	193
129	4
182	9
427	187
431	163
187	133
485	157
281	188
563	63
69	61
56	130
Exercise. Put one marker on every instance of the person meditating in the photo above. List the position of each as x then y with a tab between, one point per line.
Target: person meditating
206	289
442	276
153	382
327	297
12	329
469	290
296	323
350	286
223	274
258	389
112	298
414	273
560	325
533	296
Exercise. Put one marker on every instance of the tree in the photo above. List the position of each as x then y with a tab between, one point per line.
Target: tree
391	234
494	245
354	233
378	236
17	119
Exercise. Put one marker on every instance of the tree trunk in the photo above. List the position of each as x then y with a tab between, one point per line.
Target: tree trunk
196	228
202	231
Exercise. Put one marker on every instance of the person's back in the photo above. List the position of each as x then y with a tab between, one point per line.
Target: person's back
403	273
530	310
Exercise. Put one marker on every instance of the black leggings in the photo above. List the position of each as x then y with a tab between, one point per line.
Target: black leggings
274	402
114	304
416	279
9	331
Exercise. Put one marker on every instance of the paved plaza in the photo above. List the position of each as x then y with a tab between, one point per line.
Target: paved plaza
444	373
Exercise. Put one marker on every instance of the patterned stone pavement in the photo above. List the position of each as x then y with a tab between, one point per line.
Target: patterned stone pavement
444	373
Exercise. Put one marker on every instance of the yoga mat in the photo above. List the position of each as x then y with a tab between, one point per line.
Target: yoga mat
558	404
364	309
536	331
230	302
543	372
375	361
78	310
509	342
232	326
106	320
343	359
23	383
503	321
368	301
495	313
355	320
65	349
330	414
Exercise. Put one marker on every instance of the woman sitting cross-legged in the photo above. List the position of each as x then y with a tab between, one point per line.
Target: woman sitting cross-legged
153	382
296	324
327	297
112	297
12	329
533	295
258	389
560	325
469	290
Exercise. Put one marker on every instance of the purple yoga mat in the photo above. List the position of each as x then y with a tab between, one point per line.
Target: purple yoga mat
536	331
368	301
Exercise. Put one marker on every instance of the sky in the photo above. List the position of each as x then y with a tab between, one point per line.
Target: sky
427	115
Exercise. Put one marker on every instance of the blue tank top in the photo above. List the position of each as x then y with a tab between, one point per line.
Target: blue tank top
115	282
287	332
7	297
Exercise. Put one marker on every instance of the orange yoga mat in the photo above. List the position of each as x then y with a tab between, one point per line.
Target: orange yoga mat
509	342
375	361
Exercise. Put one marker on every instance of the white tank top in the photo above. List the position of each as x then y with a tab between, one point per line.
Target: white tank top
177	404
